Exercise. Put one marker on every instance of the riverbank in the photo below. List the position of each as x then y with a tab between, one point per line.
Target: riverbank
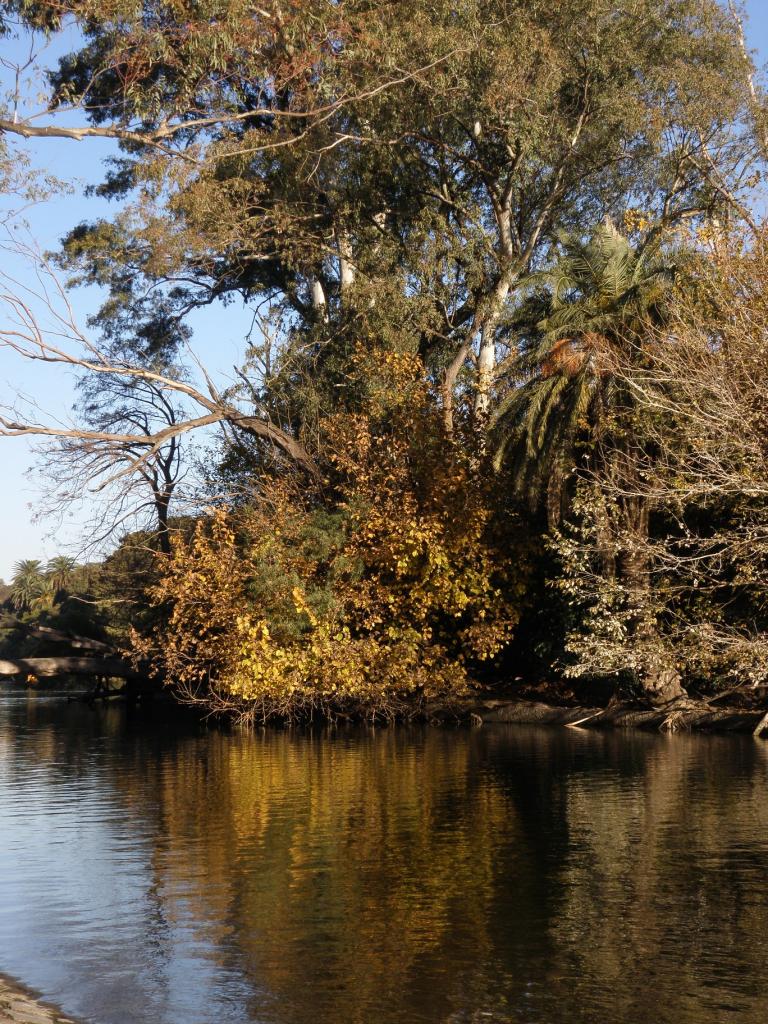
693	716
550	705
18	1006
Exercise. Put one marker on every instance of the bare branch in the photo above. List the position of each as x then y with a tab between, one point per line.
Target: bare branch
64	344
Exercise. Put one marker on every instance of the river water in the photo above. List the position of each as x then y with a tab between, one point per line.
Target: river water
161	874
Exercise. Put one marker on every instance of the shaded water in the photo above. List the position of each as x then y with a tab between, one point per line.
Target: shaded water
504	874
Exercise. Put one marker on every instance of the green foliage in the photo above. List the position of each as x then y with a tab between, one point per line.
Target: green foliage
416	205
516	107
58	595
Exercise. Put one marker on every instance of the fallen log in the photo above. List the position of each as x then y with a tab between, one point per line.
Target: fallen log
72	639
41	667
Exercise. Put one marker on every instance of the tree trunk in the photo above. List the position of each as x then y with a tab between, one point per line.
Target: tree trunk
163	534
486	364
486	357
449	384
346	268
72	639
661	683
319	305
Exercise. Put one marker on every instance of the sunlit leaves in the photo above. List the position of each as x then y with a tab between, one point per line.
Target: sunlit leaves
390	591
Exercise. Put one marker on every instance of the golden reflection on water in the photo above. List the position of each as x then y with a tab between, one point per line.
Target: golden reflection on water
425	875
336	876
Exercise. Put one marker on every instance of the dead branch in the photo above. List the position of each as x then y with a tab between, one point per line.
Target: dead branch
64	344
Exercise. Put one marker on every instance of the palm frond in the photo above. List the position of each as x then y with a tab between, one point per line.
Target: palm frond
586	314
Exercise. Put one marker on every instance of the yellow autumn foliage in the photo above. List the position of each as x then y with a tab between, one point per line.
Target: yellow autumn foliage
379	597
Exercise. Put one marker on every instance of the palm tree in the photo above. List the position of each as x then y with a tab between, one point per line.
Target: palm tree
584	319
28	583
58	571
591	318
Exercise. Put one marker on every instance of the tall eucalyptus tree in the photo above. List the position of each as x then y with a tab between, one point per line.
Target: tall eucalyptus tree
375	171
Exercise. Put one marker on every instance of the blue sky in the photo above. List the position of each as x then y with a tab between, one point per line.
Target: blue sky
218	336
218	342
757	27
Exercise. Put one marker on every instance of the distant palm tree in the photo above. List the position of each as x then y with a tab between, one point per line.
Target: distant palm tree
587	318
28	583
58	571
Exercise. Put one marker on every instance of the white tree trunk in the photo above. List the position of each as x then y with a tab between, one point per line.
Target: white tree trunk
319	304
486	364
380	220
346	267
749	71
486	357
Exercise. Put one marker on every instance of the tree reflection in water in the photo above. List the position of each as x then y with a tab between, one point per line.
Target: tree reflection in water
399	875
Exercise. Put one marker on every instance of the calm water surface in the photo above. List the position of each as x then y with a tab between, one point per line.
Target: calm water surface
161	874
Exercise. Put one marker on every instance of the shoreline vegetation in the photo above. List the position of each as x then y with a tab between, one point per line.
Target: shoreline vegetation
746	716
500	276
18	1005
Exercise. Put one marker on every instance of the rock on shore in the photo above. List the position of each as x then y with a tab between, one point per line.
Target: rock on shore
19	1007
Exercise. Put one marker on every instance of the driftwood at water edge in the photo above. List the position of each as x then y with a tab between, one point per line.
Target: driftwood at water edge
696	717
